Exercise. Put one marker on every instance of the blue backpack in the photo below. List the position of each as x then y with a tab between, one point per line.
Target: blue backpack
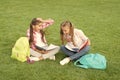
96	61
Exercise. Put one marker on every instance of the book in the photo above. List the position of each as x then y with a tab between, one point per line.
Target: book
71	47
46	48
39	48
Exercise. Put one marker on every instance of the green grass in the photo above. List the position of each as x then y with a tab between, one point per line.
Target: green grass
99	19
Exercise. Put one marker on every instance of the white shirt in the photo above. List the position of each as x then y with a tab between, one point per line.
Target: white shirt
79	38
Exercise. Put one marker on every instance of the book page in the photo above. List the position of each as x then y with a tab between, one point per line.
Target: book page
68	47
71	47
51	46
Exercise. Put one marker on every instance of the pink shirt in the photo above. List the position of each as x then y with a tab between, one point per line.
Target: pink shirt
37	36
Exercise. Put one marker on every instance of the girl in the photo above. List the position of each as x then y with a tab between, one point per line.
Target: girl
77	44
37	40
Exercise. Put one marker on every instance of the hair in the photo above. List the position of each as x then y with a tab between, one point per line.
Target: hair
69	24
35	22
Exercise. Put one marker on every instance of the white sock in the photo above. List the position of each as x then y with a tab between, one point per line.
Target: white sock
65	61
52	57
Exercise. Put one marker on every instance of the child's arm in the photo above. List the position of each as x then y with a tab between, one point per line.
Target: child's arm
50	21
46	22
85	39
84	44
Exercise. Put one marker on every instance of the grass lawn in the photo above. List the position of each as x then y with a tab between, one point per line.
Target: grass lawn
99	19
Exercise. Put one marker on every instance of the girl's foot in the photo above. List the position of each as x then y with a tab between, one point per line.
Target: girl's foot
41	58
52	58
65	61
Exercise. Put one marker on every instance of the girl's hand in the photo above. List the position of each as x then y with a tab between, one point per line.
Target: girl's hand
48	20
44	51
76	49
40	19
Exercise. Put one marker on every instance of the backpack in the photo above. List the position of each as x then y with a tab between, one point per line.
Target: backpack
21	49
96	61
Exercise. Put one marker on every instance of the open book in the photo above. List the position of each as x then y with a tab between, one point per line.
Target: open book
50	47
71	47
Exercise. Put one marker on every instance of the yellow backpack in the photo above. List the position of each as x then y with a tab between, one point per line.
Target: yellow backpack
21	49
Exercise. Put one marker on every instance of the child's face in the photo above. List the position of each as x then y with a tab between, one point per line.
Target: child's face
37	27
66	29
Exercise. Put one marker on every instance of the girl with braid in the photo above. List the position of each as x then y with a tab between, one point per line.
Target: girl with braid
37	40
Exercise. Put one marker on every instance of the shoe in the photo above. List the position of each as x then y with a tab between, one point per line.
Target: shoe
52	58
65	61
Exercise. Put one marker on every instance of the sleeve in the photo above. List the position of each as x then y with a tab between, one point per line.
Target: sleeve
85	40
82	35
47	23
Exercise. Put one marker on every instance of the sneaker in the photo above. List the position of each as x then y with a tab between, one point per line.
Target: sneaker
52	57
65	61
